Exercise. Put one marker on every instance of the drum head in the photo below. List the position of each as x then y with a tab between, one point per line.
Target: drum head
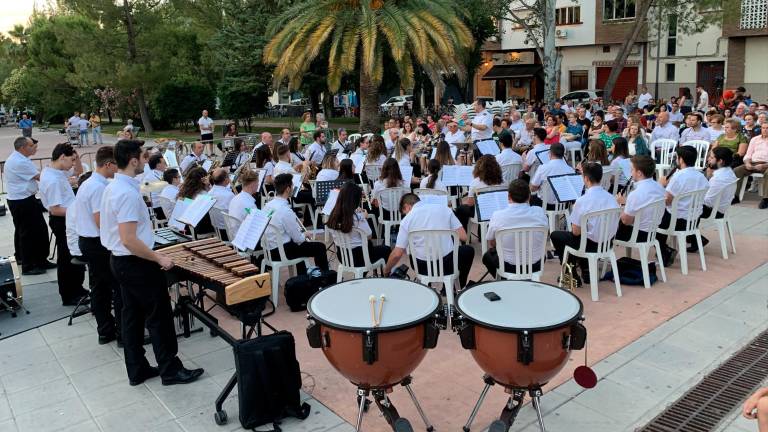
524	305
347	306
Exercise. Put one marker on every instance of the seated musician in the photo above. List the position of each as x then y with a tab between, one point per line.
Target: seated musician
284	164
719	161
172	177
519	214
243	155
245	199
432	181
555	166
646	191
315	152
595	198
486	173
197	156
221	189
348	213
197	182
390	177
685	178
157	167
294	238
507	155
422	216
529	157
329	169
265	161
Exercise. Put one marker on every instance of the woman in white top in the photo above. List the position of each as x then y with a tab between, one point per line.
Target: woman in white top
348	214
487	172
432	181
377	151
408	131
264	161
297	159
243	155
621	162
329	169
391	177
403	152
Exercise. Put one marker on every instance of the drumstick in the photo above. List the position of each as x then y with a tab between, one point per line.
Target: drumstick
381	306
372	300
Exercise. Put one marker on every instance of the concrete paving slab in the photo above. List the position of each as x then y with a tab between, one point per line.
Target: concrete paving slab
101	376
16	361
102	400
183	399
53	417
32	377
37	397
8	426
144	416
88	359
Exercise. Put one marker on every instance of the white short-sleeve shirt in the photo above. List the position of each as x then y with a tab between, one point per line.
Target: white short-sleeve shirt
438	184
645	192
508	156
427	216
315	153
327	174
189	159
519	216
88	203
122	203
55	189
205	124
223	195
530	157
239	203
485	118
721	179
455	138
19	173
170	192
685	180
594	199
73	240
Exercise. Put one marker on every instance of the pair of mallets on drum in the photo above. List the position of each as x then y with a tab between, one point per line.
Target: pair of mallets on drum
372	301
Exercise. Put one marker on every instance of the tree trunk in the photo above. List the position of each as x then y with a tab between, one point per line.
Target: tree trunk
140	99
109	115
550	59
328	105
369	104
626	47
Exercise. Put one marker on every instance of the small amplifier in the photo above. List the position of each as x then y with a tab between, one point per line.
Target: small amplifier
11	293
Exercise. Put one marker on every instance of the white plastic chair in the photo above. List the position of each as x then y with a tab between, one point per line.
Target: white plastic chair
231	225
695	201
346	258
605	221
610	180
654	211
277	265
373	171
167	206
723	224
510	172
702	148
756	177
525	241
420	192
560	210
483	226
354	137
667	153
389	200
430	242
217	220
573	152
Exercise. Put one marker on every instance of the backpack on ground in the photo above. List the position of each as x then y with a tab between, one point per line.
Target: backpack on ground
299	289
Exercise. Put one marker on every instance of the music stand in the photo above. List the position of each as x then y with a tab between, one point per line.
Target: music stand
323	188
229	159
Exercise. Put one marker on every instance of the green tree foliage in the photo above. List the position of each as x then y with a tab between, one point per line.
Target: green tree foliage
180	102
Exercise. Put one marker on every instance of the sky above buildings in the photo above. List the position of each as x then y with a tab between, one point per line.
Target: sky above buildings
14	12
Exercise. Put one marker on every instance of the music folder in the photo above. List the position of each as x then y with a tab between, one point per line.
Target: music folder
488	147
456	175
434	199
229	159
358	160
567	187
542	156
170	158
207	164
250	231
486	203
197	209
296	184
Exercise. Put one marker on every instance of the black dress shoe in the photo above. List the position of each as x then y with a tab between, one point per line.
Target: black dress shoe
105	339
183	376
763	204
33	271
47	265
693	248
75	300
148	373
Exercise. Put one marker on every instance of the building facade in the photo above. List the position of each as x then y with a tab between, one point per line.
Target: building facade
589	34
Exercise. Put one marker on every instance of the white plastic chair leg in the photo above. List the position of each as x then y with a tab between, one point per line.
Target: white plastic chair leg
701	251
594	277
659	262
682	254
644	266
275	285
615	268
628	252
730	234
721	232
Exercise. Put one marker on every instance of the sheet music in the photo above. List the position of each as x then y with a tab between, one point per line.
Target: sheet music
626	168
542	156
296	184
251	230
358	160
434	199
567	187
178	210
207	165
407	172
488	148
197	209
330	202
170	158
489	202
457	175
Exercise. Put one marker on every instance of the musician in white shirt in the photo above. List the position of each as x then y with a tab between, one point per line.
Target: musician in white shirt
245	200
529	157
286	223
170	192
519	214
126	230
157	167
243	155
56	194
481	126
104	287
422	216
196	156
30	234
341	143
594	199
507	155
722	183
329	169
316	151
556	166
432	181
646	191
283	164
221	189
685	179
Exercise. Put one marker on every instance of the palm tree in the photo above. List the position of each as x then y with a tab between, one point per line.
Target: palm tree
357	33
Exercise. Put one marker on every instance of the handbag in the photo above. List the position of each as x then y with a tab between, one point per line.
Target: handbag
631	272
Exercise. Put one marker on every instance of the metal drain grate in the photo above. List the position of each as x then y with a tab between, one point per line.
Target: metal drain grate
704	406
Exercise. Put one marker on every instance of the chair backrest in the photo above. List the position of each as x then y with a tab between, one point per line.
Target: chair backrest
545	191
217	218
425	191
667	150
231	225
369	135
529	245
510	172
167	206
702	148
274	234
389	199
653	212
610	180
431	243
724	197
354	137
693	201
373	171
343	242
604	224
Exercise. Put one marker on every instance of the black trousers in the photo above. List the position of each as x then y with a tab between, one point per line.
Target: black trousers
145	303
706	212
625	232
491	262
104	287
466	255
665	222
375	253
30	235
307	249
561	239
70	276
463	213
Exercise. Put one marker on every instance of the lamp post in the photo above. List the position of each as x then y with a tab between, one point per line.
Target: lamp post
658	52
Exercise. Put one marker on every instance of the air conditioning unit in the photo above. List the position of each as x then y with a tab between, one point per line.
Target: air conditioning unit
561	33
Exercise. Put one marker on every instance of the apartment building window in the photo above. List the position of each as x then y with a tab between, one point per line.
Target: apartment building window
568	15
754	14
672	36
618	9
670	71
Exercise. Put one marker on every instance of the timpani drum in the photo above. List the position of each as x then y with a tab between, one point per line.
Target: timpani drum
374	356
523	338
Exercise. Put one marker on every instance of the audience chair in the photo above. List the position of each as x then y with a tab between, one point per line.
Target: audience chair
346	258
723	225
656	212
524	240
695	204
756	177
702	148
665	158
